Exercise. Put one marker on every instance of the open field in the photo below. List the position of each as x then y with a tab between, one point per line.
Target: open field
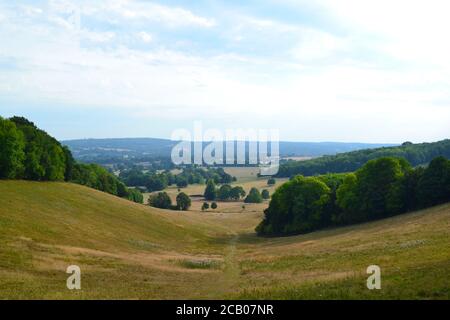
246	178
131	251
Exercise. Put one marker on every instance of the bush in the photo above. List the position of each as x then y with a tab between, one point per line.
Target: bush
253	196
183	201
205	206
160	200
213	205
265	194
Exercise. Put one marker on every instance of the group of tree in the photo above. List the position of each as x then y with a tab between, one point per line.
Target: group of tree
206	206
29	153
225	193
160	180
163	201
416	154
382	188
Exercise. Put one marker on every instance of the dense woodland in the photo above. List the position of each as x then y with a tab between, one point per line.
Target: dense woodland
416	154
382	188
31	154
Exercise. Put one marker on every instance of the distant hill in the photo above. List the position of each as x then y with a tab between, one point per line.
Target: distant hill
416	154
101	150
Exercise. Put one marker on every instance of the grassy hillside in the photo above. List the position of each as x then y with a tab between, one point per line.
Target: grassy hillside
126	250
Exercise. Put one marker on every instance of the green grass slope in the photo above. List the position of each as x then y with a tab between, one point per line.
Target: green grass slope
45	227
131	251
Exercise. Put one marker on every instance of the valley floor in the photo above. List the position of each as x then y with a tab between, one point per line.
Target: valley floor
131	251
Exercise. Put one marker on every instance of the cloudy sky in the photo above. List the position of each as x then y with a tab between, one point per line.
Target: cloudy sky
323	70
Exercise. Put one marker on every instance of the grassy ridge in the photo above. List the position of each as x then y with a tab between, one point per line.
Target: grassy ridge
130	251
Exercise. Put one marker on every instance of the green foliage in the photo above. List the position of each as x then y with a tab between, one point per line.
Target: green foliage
210	191
237	193
160	200
30	153
434	184
254	196
296	207
45	159
214	205
265	194
271	181
416	154
182	182
12	147
156	182
133	194
224	192
205	206
381	188
183	201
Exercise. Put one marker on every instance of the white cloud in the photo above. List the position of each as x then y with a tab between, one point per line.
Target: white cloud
314	84
145	36
100	37
170	16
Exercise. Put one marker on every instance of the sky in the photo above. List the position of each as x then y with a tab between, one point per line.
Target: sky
323	70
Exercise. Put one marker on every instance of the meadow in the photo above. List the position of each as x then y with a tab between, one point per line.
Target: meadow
131	251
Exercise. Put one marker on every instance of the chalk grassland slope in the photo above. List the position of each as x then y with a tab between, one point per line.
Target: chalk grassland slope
125	250
412	250
130	251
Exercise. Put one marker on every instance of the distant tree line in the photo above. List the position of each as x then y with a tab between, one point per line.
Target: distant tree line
382	188
158	181
29	153
416	154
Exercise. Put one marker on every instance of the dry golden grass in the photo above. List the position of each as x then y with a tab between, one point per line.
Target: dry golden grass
131	251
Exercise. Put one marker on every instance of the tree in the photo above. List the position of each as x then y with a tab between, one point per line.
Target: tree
347	200
183	201
224	192
182	182
271	181
296	207
253	196
236	193
45	158
134	195
265	194
378	188
434	184
160	200
210	191
213	205
12	146
156	182
205	206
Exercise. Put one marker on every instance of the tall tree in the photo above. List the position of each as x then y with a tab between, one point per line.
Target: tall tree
210	191
11	150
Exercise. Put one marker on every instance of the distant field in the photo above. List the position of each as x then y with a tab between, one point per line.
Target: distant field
246	178
131	251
